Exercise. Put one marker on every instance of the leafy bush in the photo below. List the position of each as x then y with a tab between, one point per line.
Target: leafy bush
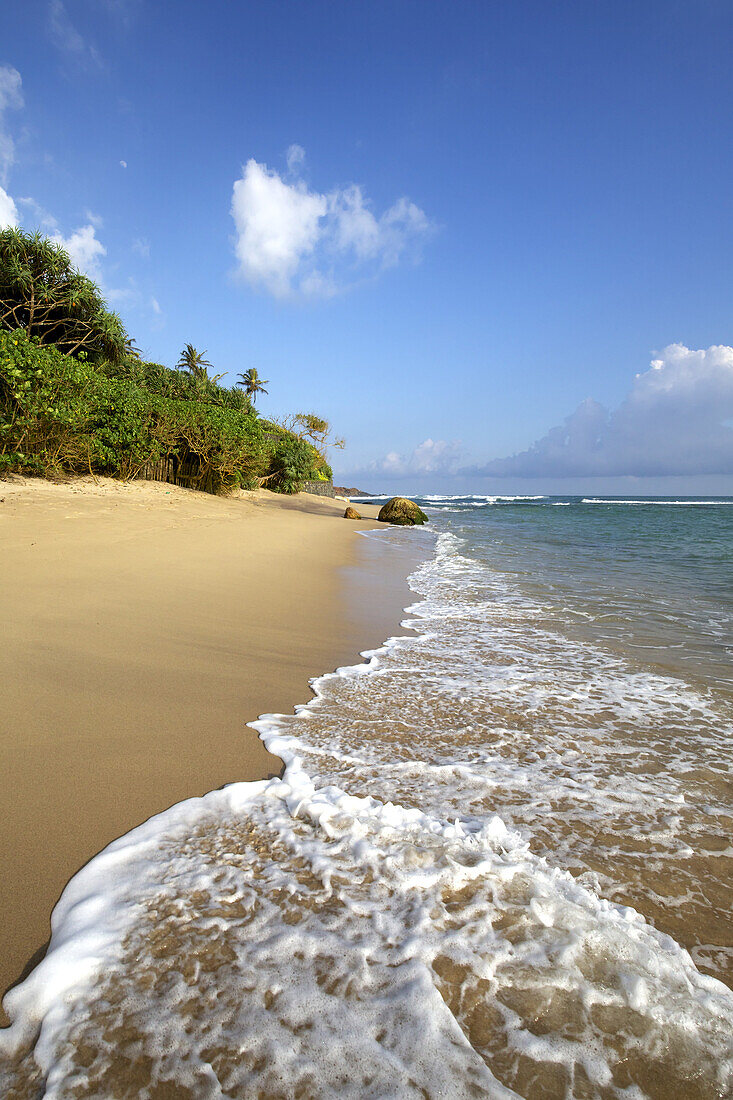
293	462
60	415
230	446
180	384
44	407
122	421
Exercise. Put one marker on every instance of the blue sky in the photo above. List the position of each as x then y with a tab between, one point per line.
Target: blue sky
456	229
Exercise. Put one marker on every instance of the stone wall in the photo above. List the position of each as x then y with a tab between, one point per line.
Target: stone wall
320	488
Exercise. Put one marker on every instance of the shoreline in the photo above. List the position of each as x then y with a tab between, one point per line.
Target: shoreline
146	626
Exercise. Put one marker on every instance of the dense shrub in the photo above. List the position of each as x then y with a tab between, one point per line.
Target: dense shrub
122	428
165	382
229	444
45	407
293	462
60	414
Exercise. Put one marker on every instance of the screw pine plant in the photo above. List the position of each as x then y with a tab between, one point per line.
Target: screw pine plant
43	294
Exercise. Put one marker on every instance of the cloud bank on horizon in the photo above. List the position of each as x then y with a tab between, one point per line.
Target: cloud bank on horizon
677	419
292	241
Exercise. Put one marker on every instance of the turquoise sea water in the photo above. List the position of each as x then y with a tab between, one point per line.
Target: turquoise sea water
651	573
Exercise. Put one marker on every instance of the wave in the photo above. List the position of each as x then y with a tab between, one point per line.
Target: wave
598	500
469	498
478	496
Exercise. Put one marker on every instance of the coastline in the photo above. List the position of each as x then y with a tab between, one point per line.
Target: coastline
413	782
145	626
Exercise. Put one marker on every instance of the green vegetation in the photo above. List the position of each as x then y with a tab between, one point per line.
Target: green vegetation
315	432
75	396
292	464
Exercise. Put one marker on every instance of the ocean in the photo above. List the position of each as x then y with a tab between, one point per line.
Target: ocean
498	863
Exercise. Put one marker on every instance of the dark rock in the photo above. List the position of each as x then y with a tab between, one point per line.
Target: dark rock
402	511
342	491
351	513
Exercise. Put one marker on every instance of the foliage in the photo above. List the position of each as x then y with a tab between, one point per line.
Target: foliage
314	428
61	415
42	294
123	429
177	384
293	462
252	384
44	407
231	447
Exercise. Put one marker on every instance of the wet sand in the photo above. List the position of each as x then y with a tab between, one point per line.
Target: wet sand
143	625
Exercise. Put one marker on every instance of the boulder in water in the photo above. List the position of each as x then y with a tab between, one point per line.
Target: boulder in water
351	513
402	511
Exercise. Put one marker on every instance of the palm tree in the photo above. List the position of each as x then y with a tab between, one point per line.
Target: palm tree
194	363
131	349
252	384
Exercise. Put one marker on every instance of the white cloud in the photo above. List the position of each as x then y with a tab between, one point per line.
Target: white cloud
85	250
11	96
123	164
317	285
432	456
675	420
295	157
141	245
356	229
42	216
277	226
291	240
67	38
128	295
8	210
158	319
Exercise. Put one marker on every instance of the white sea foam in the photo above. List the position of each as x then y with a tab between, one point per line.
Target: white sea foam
470	499
598	500
490	498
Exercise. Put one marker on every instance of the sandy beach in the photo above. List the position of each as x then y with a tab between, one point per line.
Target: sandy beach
143	626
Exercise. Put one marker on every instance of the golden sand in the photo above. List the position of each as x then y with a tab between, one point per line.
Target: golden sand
143	626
